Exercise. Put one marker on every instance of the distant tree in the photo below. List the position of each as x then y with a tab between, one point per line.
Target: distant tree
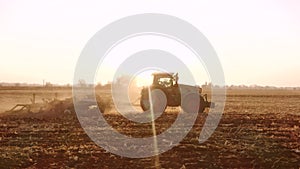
48	84
82	83
122	80
125	81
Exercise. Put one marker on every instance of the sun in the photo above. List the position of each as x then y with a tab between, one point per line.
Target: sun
144	78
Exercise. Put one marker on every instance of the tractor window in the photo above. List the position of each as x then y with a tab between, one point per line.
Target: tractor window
166	82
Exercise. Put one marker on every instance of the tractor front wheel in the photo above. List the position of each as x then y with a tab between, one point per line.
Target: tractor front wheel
159	101
202	104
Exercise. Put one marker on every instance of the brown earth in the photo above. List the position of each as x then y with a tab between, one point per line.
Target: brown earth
259	129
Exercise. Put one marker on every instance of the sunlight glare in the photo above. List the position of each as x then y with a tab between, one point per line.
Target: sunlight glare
144	78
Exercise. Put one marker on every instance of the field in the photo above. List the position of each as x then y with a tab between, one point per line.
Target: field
259	129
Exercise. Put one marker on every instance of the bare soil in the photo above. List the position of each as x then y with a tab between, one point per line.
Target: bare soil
257	130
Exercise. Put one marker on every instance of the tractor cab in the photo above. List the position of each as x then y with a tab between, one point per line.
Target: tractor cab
168	83
165	80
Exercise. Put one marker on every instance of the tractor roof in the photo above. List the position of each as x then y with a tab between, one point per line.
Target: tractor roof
162	74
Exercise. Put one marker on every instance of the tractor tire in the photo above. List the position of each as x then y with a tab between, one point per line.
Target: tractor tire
145	104
159	101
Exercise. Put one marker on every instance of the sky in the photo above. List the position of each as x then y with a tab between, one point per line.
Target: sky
257	42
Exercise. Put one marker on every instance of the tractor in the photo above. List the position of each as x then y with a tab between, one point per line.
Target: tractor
168	84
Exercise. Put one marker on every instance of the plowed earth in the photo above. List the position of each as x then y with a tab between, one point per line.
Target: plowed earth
257	130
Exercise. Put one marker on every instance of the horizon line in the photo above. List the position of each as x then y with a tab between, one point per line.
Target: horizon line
26	84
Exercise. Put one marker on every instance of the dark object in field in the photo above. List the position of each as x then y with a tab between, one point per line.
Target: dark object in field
168	84
20	107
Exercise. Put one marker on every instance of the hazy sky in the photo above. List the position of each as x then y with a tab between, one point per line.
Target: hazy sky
257	41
